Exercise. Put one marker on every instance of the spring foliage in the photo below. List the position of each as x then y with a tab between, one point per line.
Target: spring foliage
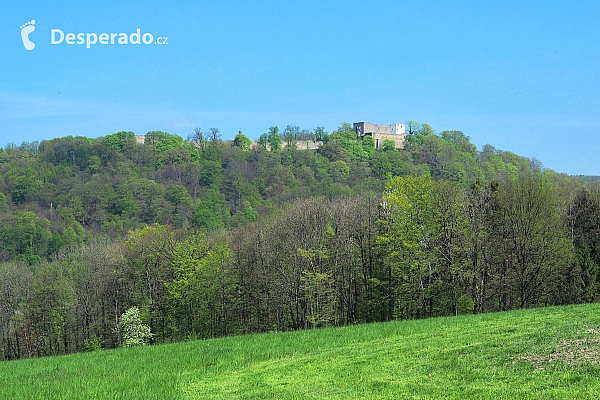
211	238
132	331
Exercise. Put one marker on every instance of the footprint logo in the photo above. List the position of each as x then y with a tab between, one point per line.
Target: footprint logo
26	29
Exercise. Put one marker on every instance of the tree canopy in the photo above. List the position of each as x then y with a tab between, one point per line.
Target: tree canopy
206	237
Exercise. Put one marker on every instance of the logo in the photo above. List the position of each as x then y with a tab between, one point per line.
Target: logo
57	36
89	39
26	29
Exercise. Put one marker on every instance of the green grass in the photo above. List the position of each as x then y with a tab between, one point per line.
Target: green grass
541	353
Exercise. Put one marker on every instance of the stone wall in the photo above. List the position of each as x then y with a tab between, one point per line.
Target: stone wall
398	140
300	145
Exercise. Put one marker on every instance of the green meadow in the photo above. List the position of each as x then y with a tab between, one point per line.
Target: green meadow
545	353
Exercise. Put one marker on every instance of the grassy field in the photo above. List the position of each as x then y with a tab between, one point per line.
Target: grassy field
540	353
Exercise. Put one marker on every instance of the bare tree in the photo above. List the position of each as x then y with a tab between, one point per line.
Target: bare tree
214	135
199	137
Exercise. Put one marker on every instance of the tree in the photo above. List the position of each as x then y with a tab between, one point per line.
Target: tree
154	137
132	331
244	216
426	130
117	141
214	135
178	195
290	135
582	219
411	232
51	307
25	235
452	232
274	138
346	136
321	134
3	204
242	141
292	131
211	173
476	209
17	336
209	211
460	141
425	234
149	254
339	170
199	137
24	186
263	141
412	127
530	247
165	142
369	144
202	290
381	164
389	145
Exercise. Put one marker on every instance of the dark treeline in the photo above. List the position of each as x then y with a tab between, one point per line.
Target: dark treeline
210	238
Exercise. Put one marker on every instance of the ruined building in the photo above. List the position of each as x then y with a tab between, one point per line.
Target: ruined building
380	133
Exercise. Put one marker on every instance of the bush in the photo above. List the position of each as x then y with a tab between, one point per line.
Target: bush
92	344
131	329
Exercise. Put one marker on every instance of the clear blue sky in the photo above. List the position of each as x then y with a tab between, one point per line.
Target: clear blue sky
521	75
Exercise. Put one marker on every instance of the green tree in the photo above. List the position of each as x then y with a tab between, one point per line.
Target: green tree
339	170
389	145
274	138
209	211
203	287
426	130
25	236
263	141
290	135
411	232
149	254
117	141
346	135
244	216
369	145
242	141
381	164
412	127
3	204
460	141
211	173
178	195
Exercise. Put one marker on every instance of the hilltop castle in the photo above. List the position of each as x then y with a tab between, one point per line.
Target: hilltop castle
380	133
394	132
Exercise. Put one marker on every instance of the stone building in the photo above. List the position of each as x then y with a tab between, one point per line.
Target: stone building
395	132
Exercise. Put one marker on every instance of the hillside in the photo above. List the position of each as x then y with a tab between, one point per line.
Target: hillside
537	353
210	238
592	178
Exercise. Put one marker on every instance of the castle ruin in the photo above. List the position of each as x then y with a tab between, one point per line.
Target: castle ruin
394	132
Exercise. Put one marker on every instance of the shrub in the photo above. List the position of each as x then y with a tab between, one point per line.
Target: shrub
131	329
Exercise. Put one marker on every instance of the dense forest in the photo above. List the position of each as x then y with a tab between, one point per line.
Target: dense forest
210	237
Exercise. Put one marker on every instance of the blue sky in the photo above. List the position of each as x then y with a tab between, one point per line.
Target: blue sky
520	75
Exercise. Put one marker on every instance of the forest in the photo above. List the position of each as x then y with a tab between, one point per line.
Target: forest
210	238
